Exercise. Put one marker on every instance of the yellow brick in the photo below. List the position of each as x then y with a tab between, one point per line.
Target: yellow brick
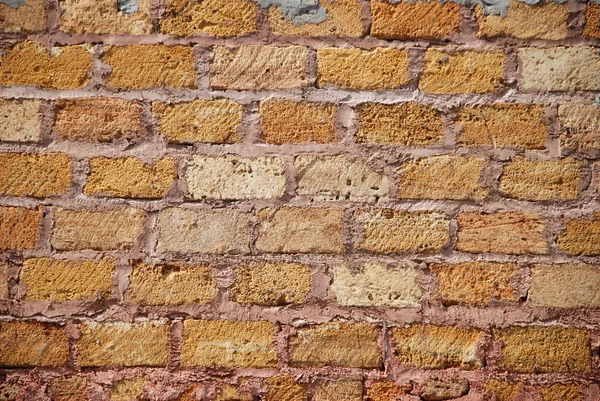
36	175
30	63
592	21
32	344
285	388
504	391
285	121
208	343
580	126
209	121
340	389
377	69
170	284
407	124
149	66
61	280
386	391
20	120
565	285
68	388
224	18
103	17
29	17
19	228
444	389
561	392
127	389
581	236
462	72
4	276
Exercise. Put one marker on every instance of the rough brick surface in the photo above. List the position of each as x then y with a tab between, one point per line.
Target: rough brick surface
29	344
19	228
580	126
592	21
28	17
349	390
285	388
20	120
4	291
386	391
68	388
565	286
581	236
103	17
36	175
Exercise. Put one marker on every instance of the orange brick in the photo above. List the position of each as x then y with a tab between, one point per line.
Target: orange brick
19	228
285	388
32	344
592	21
36	175
29	17
581	236
103	17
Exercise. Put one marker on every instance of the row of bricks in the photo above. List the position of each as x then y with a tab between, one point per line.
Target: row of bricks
445	71
405	21
283	121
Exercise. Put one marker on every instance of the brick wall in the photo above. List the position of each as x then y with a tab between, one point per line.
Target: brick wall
349	200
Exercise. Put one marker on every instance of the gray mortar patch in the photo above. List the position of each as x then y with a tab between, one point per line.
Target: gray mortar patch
299	11
127	6
13	3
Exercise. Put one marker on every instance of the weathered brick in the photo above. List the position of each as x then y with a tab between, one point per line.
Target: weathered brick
18	228
209	121
102	231
393	231
285	388
29	16
565	286
543	20
127	389
285	121
223	18
233	177
339	178
130	177
20	120
271	284
4	281
239	392
418	20
174	283
509	232
544	349
68	388
149	66
462	72
437	347
502	390
592	21
474	283
103	17
447	389
407	124
30	63
259	67
377	284
123	344
336	344
36	175
208	343
581	236
343	18
387	391
203	231
580	126
561	392
32	344
442	177
342	389
49	279
296	230
98	119
377	69
502	125
559	69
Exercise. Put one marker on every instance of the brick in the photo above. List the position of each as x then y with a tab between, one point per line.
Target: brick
271	284
123	344
224	231
474	283
18	228
4	293
377	284
49	279
98	119
259	67
29	17
208	343
434	389
149	66
502	125
32	344
592	21
540	180
394	231
342	389
223	18
581	236
561	392
173	283
506	232
235	392
377	69
285	121
285	388
405	21
462	72
442	177
30	63
336	344
103	17
102	231
544	349
233	177
437	347
544	20
68	388
407	124
343	18
206	121
580	126
36	175
339	178
20	120
129	177
386	391
296	230
503	391
565	286
559	69
127	389
10	391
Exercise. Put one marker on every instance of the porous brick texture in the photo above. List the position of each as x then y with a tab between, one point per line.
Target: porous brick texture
299	200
